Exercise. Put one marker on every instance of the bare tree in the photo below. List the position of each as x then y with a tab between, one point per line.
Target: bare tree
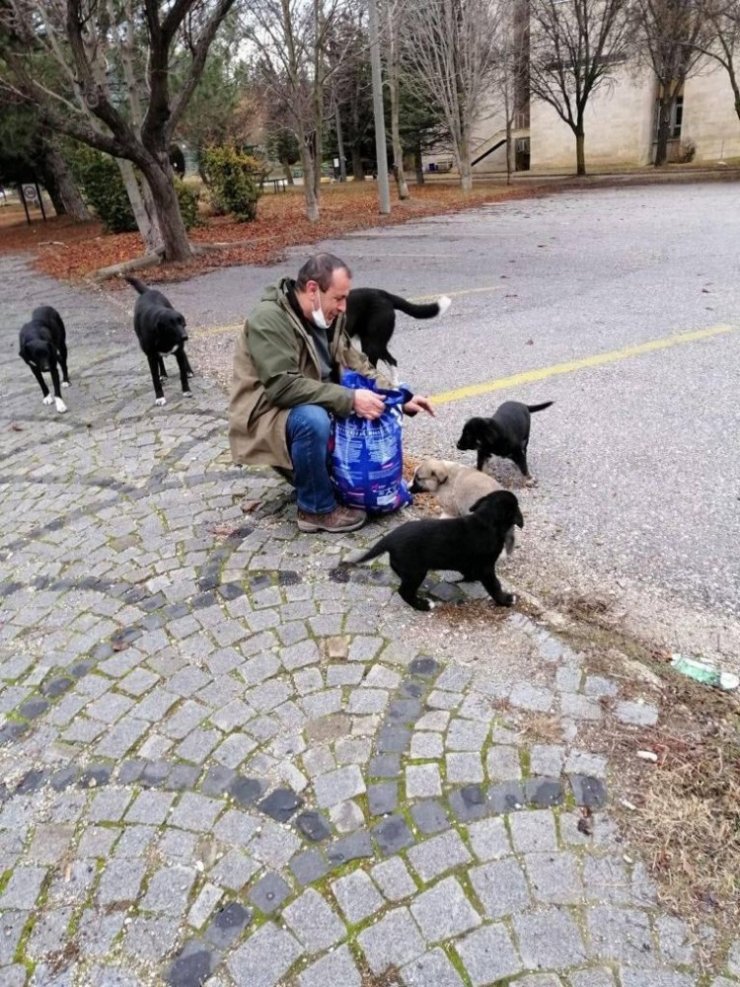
574	46
292	37
722	39
454	46
101	71
672	33
392	15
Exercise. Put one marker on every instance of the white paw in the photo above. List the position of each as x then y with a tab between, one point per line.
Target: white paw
161	402
187	394
48	399
60	405
444	302
65	383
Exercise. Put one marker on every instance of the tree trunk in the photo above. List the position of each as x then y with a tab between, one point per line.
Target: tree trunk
146	223
287	171
358	171
463	164
580	153
309	188
167	210
70	200
509	147
418	165
665	112
394	88
340	147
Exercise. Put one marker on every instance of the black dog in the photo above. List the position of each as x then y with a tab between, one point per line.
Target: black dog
43	344
161	331
469	544
371	318
505	435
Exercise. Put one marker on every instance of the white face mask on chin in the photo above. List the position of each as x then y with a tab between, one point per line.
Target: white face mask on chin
318	315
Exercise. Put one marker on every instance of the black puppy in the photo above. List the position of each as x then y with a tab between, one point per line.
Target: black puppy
371	318
505	435
161	331
469	544
43	344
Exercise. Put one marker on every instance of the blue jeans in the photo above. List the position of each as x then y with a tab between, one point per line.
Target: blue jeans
308	432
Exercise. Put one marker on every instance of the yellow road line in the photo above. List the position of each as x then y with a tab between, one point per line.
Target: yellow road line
597	360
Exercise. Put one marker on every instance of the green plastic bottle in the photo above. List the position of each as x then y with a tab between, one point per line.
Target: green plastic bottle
700	671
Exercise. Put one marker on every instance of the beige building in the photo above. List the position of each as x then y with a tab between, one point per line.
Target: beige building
620	126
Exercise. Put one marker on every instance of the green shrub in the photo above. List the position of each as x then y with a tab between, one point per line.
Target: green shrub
188	197
233	180
102	186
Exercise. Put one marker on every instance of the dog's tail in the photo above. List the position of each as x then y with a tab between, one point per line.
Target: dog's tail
428	311
372	553
539	407
135	283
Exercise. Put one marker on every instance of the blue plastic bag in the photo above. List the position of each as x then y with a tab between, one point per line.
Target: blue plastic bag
367	458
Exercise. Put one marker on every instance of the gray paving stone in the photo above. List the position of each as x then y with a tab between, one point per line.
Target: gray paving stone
655	978
554	878
234	869
313	922
423	781
274	845
382	798
580	707
357	896
393	941
534	831
195	812
444	911
431	968
489	839
168	890
150	808
547	759
228	924
531	697
502	763
144	936
356	846
606	879
733	960
347	817
586	763
621	934
464	768
540	980
426	745
393	879
636	713
501	887
339	785
265	957
437	855
430	817
436	719
549	939
269	893
201	909
596	977
23	888
392	835
121	881
334	969
489	955
385	766
466	735
11	926
308	867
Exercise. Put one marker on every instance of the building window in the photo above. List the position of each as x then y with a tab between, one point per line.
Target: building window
674	131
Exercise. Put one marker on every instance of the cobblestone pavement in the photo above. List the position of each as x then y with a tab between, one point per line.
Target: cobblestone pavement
222	765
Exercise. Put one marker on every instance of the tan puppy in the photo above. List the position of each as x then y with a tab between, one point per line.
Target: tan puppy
456	488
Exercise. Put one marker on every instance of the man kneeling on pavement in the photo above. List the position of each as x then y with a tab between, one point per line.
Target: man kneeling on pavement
287	365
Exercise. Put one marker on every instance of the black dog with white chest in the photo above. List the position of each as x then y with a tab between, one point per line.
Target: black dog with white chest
43	344
505	435
161	331
371	318
470	545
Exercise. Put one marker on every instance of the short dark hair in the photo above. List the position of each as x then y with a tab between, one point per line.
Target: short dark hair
320	268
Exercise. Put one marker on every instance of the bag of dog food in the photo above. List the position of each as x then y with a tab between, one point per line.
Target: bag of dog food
367	458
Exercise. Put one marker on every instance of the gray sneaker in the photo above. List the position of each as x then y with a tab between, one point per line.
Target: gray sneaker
340	519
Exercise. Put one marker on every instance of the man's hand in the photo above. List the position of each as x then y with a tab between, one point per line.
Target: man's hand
367	404
419	403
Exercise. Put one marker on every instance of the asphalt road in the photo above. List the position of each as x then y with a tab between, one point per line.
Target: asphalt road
638	462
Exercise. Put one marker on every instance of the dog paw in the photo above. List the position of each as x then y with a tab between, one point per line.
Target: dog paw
65	383
161	402
48	399
506	600
187	394
60	405
530	481
444	302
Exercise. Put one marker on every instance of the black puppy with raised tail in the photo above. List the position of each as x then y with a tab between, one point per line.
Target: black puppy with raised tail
43	344
469	545
371	318
506	434
160	330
